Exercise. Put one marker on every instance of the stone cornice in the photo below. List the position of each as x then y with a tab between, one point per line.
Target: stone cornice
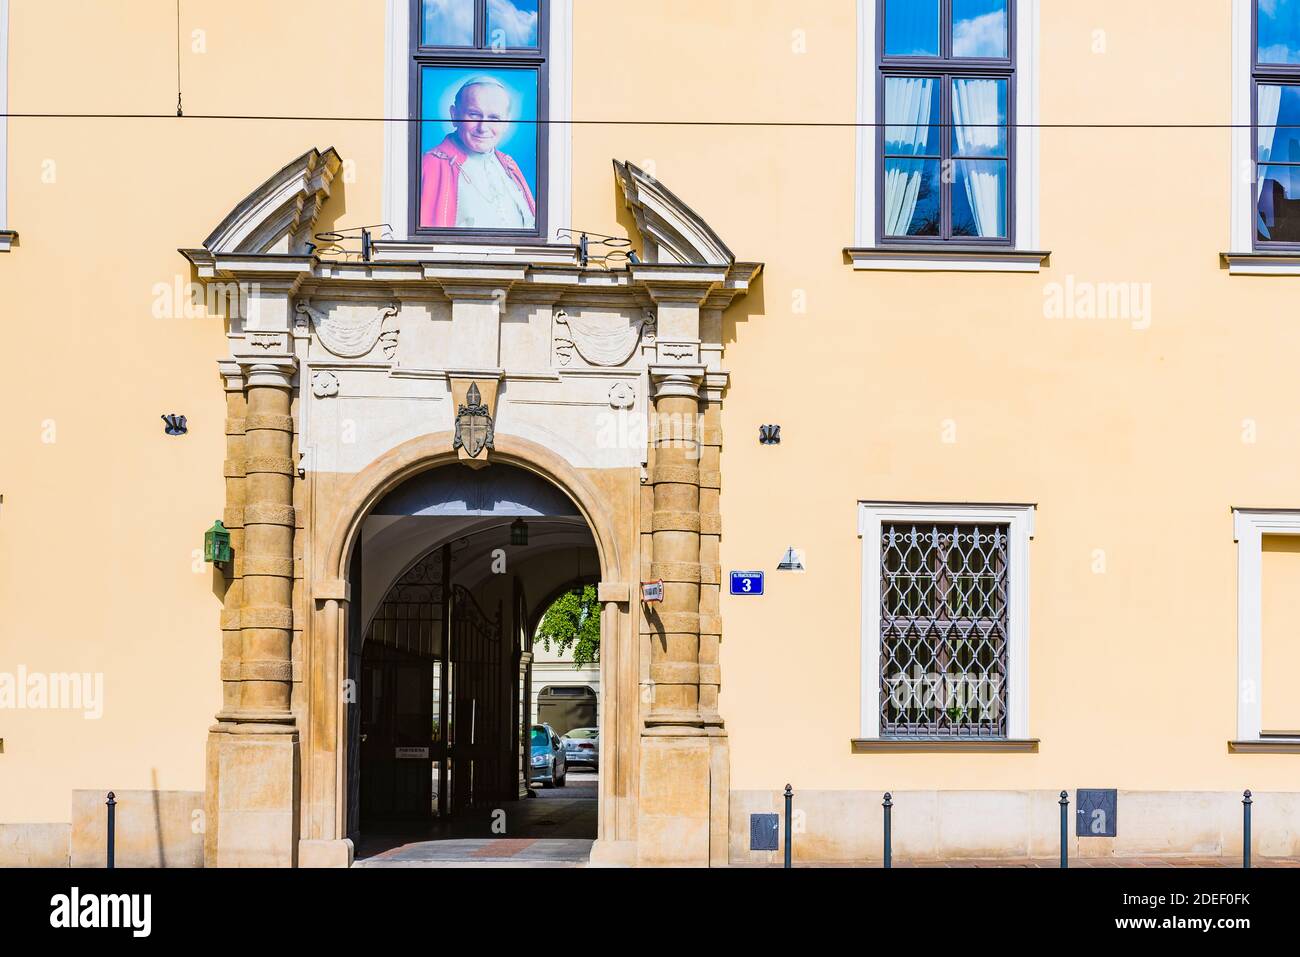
710	286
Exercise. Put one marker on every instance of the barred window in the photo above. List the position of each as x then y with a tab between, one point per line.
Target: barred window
944	629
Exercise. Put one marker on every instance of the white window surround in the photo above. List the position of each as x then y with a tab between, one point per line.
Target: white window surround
1244	260
1249	526
866	253
6	235
1020	519
397	79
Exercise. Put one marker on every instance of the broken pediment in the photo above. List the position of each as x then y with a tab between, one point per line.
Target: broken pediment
671	232
279	216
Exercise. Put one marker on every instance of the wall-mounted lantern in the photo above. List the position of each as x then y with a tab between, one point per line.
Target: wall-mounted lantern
216	544
519	532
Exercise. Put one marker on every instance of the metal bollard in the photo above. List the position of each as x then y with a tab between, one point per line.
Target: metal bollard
112	821
889	849
789	828
1065	828
1245	829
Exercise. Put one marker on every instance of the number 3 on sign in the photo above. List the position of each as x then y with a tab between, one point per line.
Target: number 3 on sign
747	583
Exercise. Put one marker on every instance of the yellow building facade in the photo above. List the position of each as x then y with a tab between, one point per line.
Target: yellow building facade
1014	279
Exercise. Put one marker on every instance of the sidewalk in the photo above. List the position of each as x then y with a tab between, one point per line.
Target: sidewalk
1075	862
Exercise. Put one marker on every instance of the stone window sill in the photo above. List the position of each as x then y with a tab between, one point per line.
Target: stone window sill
8	238
948	745
946	258
1261	264
1266	745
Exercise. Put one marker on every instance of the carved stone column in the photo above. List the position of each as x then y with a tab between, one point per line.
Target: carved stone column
253	759
675	535
233	518
266	616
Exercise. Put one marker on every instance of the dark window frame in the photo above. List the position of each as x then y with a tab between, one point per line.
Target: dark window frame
1268	74
944	69
481	56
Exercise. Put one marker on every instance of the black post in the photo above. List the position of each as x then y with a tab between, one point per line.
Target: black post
112	815
889	849
1065	828
789	828
1245	829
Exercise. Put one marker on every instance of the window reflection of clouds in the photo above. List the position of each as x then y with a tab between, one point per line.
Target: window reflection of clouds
449	23
1279	108
1279	31
515	21
979	28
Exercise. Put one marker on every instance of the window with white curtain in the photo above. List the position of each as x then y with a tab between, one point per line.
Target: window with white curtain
946	73
1276	101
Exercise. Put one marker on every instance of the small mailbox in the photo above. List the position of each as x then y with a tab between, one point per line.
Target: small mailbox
1095	812
763	832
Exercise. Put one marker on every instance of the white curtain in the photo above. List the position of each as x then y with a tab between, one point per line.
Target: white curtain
907	101
976	102
1270	104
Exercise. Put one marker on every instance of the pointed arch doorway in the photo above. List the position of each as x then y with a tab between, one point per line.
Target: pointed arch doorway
449	572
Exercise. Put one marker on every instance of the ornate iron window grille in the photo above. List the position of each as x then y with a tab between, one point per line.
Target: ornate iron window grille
943	630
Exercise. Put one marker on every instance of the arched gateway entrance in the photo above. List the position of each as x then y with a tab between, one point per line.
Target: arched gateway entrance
449	575
350	385
437	596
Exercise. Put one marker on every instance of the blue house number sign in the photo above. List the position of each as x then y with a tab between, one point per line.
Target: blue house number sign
747	583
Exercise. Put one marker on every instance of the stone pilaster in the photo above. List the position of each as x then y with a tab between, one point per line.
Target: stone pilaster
266	615
233	518
710	557
675	551
253	758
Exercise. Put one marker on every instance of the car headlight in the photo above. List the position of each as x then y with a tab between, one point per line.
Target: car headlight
539	760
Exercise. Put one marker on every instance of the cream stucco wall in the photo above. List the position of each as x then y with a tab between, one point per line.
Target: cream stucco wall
99	526
1130	441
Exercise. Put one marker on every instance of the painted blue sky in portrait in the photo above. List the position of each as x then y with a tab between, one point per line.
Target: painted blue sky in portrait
518	140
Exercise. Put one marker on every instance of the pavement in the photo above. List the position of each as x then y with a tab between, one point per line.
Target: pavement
1054	863
558	827
554	829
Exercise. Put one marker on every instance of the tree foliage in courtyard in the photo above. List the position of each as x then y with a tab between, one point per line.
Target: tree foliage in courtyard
573	621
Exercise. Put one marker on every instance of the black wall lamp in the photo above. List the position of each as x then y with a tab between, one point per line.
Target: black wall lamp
519	532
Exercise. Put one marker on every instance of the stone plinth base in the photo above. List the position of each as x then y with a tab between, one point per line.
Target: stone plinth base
847	827
34	845
612	854
150	828
252	800
677	803
325	853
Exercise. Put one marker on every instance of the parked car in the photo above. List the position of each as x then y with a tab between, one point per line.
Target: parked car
547	762
582	747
